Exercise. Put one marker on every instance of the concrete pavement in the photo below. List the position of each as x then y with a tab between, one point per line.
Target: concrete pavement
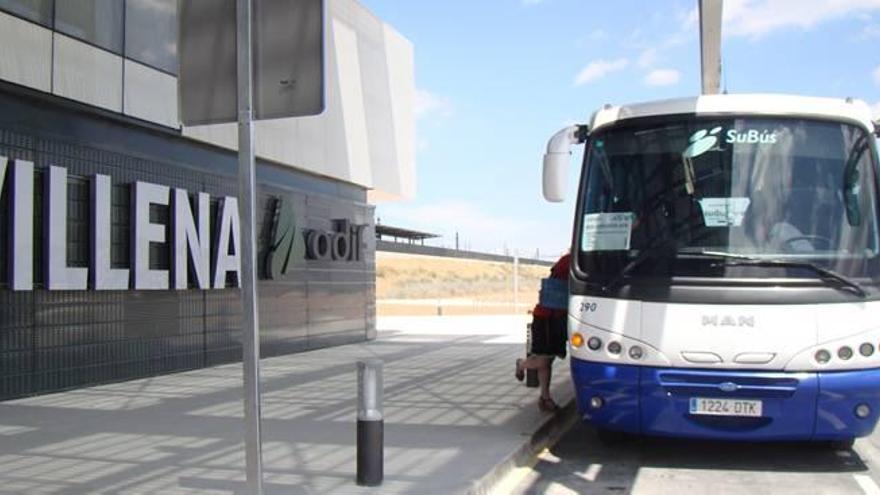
580	463
453	412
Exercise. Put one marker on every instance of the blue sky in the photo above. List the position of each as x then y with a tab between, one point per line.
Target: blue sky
496	78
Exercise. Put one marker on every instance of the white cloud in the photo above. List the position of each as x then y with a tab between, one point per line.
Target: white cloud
870	31
662	77
875	110
653	50
597	69
757	18
427	103
690	20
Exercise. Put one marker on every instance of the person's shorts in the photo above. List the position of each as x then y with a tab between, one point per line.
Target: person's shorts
547	336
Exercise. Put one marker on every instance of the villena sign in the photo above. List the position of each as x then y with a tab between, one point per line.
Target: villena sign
190	243
190	235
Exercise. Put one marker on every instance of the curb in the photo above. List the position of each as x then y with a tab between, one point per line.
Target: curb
547	434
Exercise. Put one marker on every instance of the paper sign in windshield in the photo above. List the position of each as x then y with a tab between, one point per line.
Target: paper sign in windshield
724	212
606	231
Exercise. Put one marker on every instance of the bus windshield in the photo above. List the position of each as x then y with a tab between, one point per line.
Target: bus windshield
686	192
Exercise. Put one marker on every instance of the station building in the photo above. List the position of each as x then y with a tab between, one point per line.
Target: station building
119	227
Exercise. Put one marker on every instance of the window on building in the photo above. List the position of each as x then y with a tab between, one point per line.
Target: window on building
98	22
39	11
151	33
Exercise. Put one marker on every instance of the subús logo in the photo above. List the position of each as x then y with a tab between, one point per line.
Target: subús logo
704	140
701	142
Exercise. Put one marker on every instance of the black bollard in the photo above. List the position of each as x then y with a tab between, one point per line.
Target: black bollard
370	424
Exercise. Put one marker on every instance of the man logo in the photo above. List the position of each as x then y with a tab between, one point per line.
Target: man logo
287	246
728	321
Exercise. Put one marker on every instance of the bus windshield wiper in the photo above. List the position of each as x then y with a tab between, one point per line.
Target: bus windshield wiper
732	259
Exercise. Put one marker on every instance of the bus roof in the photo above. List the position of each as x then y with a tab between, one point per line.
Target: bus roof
856	111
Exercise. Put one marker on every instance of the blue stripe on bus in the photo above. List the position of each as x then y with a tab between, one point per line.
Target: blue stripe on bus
795	406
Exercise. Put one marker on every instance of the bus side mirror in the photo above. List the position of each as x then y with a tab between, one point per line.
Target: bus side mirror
555	173
557	158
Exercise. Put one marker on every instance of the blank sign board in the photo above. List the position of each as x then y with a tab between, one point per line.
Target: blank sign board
288	60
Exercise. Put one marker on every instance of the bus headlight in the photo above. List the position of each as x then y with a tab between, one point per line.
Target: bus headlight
595	343
636	352
863	411
853	351
577	340
615	347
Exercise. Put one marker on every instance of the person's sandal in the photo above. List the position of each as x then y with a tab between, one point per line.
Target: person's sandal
520	374
547	405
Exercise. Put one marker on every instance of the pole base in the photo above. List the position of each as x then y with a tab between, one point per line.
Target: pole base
370	452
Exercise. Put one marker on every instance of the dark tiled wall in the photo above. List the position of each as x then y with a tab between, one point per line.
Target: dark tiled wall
54	340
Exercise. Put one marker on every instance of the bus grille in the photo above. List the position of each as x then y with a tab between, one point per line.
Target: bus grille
718	384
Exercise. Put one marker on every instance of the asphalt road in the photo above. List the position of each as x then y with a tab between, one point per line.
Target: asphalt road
580	463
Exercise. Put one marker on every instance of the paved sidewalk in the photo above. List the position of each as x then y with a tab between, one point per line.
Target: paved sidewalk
452	412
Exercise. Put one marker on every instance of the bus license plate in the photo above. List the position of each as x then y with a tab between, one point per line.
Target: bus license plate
726	407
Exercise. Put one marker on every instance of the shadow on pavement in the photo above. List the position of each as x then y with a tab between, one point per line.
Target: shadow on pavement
452	410
581	463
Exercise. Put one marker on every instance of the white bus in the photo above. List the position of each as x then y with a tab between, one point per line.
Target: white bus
725	278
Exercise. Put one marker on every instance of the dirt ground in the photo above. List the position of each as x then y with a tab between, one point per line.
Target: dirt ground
428	285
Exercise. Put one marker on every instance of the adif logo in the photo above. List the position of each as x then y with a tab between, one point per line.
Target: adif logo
285	248
290	244
701	142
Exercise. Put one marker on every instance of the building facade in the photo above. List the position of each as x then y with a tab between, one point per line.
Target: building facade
119	228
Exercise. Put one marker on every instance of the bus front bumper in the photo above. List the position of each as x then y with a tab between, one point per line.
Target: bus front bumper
794	406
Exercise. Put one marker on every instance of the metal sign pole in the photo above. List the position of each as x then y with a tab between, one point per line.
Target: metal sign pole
516	282
710	45
250	319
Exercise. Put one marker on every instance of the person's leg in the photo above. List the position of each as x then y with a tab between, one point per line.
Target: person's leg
534	360
544	375
531	362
